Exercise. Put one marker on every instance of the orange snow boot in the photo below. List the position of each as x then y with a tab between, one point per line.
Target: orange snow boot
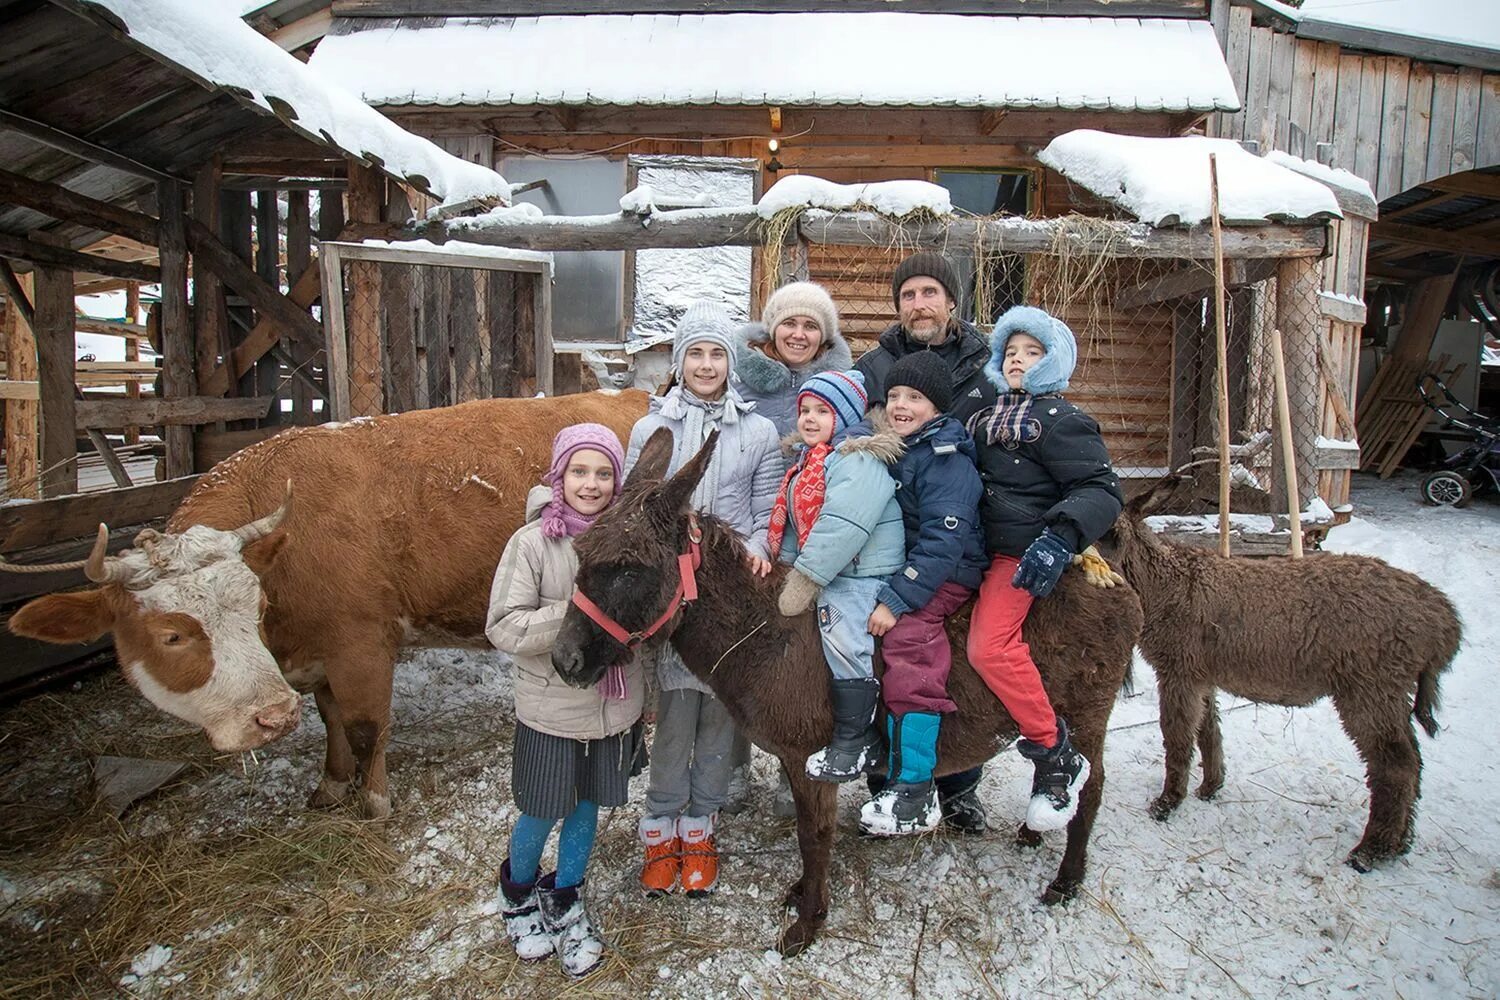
663	854
700	855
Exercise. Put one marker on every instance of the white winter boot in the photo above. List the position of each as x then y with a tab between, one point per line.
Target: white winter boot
579	944
523	918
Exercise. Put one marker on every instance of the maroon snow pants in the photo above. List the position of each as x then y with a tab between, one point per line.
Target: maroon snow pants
918	657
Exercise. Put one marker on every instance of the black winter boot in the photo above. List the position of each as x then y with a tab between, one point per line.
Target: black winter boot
958	796
855	747
1060	772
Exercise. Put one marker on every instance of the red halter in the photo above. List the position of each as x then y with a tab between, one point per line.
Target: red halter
686	592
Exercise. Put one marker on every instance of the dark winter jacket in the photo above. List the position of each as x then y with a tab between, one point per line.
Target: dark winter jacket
938	489
1058	476
773	385
965	354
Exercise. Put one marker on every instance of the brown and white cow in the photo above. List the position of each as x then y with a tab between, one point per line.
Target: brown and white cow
305	562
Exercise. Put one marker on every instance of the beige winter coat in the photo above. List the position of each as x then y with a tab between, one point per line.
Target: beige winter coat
527	601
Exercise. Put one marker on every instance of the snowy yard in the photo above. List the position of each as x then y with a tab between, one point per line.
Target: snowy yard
222	884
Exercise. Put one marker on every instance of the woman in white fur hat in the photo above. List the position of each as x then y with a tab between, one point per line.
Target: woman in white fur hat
690	756
797	337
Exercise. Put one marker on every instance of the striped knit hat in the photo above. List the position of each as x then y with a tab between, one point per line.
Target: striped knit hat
844	392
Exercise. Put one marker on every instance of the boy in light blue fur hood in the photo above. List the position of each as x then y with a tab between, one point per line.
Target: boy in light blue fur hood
1049	492
836	521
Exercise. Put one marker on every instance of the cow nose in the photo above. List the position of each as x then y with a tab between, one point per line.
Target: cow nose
281	719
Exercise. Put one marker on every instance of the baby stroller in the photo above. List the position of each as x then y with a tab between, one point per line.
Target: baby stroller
1476	468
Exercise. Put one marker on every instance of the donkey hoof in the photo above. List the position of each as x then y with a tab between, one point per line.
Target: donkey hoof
329	794
1364	859
1027	837
1206	792
793	898
1162	807
1060	891
796	939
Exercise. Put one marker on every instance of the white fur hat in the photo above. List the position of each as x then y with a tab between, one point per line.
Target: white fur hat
801	298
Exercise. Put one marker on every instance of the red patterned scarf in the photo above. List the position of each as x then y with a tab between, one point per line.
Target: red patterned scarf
806	497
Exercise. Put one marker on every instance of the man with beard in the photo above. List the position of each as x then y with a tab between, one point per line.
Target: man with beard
925	290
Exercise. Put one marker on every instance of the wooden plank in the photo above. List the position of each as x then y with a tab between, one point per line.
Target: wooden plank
1187	337
1466	120
68	206
1457	241
1424	311
13	389
264	335
269	302
176	329
541	320
1300	110
1418	126
1488	151
1279	97
400	336
1346	111
268	268
210	447
1371	107
298	260
73	145
21	411
1393	118
210	321
824	156
110	328
1191	280
25	526
534	8
184	411
132	350
433	320
1479	185
500	288
337	369
53	328
1340	309
1258	86
463	332
19	248
1440	135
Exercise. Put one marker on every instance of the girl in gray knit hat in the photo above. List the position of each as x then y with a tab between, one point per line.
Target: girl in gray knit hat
690	761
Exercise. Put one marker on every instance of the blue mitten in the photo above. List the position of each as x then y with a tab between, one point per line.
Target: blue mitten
1042	564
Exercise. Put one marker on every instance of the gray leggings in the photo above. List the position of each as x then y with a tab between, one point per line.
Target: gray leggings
690	756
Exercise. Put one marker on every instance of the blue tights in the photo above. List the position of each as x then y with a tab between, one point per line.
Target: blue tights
574	845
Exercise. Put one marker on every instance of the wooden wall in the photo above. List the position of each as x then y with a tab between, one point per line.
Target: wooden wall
1394	121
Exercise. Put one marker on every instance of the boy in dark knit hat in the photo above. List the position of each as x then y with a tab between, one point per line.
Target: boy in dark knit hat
938	491
1049	491
837	523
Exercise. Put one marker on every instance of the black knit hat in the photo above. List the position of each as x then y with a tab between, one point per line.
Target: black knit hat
929	263
927	373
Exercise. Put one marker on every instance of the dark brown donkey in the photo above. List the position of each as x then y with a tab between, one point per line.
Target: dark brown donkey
770	673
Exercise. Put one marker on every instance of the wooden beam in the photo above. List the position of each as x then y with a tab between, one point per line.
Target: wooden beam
1192	280
176	323
81	148
1341	309
742	227
1431	202
990	120
21	411
103	448
536	8
1436	239
53	328
210	321
69	206
184	411
304	30
18	248
18	297
1424	312
27	525
238	275
13	389
1478	185
109	328
263	336
132	350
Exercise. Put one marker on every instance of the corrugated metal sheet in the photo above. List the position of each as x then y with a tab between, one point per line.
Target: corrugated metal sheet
897	59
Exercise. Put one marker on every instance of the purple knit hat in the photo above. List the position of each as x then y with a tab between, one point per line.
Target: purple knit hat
558	519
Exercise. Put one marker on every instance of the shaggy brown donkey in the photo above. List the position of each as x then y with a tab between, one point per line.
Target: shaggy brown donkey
770	673
1289	632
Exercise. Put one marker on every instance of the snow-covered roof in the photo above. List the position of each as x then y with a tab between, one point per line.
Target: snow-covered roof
1464	24
1127	64
1166	181
208	41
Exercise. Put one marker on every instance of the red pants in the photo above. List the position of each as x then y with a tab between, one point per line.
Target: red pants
1000	656
917	655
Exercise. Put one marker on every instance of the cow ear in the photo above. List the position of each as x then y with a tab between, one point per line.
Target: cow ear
678	491
82	616
260	554
651	465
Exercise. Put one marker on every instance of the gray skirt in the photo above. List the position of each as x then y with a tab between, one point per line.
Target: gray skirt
550	775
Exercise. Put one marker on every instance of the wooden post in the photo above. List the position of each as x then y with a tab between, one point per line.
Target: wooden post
268	267
1222	344
210	320
298	259
132	351
1301	324
1288	449
366	202
21	414
176	330
53	309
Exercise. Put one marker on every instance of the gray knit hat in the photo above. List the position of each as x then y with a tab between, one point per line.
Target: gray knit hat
802	298
703	320
928	263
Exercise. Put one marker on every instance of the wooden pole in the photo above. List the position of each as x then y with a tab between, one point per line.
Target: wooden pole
52	308
21	426
176	324
1288	458
132	351
1222	335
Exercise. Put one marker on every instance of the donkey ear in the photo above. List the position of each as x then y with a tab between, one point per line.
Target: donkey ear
678	490
1154	497
651	465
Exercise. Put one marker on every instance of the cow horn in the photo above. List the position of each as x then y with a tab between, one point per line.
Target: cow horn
100	569
260	528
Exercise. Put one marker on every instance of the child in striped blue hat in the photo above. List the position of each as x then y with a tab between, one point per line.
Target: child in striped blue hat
836	521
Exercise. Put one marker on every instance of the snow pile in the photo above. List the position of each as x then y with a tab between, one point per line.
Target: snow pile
463	249
892	198
1166	181
210	42
1335	176
643	200
829	58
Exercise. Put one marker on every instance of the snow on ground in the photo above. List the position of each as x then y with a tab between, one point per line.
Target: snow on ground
1166	181
1244	896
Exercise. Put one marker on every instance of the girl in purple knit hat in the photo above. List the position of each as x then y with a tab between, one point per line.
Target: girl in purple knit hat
574	746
